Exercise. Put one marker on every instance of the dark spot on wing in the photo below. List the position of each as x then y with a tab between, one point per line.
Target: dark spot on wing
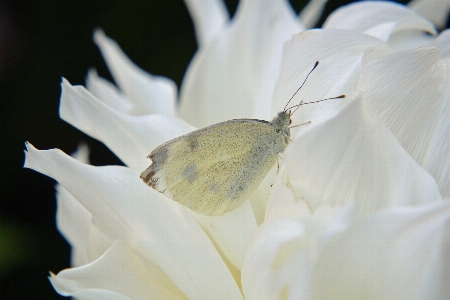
191	173
159	155
236	189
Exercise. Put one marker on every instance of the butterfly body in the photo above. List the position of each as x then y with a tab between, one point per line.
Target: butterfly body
215	169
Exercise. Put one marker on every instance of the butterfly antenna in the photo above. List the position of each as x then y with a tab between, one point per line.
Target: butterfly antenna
301	103
309	122
315	65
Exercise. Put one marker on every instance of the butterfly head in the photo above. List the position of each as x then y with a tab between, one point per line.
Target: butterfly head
284	118
281	123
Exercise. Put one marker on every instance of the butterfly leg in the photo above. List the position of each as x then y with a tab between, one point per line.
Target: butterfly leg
279	156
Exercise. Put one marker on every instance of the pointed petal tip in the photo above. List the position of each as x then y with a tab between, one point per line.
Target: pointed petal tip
91	76
102	40
64	82
59	287
51	277
92	72
82	153
28	149
31	154
98	35
27	143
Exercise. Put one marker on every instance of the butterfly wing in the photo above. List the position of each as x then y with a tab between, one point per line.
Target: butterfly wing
215	169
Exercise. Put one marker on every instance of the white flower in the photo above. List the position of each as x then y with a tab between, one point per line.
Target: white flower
385	146
401	253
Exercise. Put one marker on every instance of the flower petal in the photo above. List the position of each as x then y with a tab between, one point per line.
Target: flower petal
378	19
401	253
74	222
283	205
410	39
340	53
354	157
282	202
312	12
120	272
209	17
278	259
234	75
434	10
231	232
158	229
282	254
443	42
410	92
88	242
150	94
261	195
104	90
130	137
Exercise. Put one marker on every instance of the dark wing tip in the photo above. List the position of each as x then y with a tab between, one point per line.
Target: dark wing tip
149	177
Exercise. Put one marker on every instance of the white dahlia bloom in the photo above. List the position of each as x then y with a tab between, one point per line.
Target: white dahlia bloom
359	208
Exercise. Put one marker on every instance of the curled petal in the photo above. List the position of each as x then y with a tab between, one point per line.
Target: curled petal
443	43
354	157
378	19
150	94
120	273
410	92
434	10
156	228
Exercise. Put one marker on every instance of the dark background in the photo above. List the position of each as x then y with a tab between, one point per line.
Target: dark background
41	41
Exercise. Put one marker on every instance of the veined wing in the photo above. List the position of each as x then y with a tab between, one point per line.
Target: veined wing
214	169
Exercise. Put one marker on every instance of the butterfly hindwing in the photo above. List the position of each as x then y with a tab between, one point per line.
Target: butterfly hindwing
214	169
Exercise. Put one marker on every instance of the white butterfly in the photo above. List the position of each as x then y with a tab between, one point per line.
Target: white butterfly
215	169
